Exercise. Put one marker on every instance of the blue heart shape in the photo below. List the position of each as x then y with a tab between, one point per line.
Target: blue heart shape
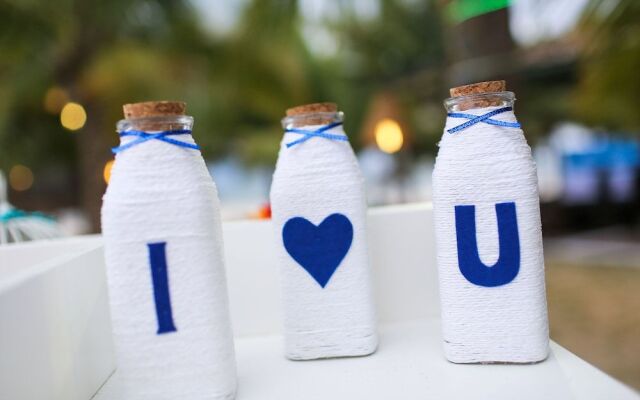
318	249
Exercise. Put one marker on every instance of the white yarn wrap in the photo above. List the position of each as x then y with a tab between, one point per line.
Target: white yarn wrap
484	165
315	179
160	192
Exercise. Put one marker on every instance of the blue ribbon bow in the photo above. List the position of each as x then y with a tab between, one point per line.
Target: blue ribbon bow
162	136
486	118
320	132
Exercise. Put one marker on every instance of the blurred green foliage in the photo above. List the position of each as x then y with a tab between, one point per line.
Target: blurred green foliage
102	53
238	84
608	94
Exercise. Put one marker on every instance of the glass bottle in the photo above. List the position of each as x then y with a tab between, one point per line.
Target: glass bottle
165	265
488	232
319	214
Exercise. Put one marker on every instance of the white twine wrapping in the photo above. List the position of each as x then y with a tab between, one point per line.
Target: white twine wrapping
484	165
313	180
163	193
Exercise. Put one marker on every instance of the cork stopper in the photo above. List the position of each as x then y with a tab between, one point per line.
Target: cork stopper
308	114
154	109
155	115
478	89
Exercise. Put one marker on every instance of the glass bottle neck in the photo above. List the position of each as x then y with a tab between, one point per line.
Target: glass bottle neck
319	118
482	100
156	124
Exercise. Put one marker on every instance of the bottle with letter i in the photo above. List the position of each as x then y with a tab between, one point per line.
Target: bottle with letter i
319	215
165	265
488	233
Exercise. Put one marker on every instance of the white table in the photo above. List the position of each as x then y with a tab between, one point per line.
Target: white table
408	365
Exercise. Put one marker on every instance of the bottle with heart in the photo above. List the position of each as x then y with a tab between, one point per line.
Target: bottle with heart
319	215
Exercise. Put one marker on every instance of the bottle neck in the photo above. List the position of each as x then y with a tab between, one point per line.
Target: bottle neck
173	130
482	100
156	124
312	119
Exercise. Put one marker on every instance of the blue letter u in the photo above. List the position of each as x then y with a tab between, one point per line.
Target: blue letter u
508	264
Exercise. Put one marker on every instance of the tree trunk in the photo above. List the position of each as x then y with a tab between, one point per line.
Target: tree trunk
94	151
481	48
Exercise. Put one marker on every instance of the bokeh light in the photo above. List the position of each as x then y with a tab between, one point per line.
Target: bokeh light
20	178
389	137
73	116
55	98
106	172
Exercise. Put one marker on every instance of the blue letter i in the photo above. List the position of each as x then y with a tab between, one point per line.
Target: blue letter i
158	261
508	264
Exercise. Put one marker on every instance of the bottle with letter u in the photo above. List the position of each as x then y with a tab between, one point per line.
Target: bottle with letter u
319	216
165	265
488	232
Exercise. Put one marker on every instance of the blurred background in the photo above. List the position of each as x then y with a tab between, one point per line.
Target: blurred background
68	66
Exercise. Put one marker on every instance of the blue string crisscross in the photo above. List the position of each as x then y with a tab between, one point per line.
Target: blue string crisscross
486	118
163	136
320	132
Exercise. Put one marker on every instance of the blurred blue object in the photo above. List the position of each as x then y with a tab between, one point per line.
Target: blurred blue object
607	168
19	226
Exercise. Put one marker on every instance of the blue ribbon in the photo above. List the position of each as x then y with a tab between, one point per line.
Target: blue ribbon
320	132
14	213
162	136
486	118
